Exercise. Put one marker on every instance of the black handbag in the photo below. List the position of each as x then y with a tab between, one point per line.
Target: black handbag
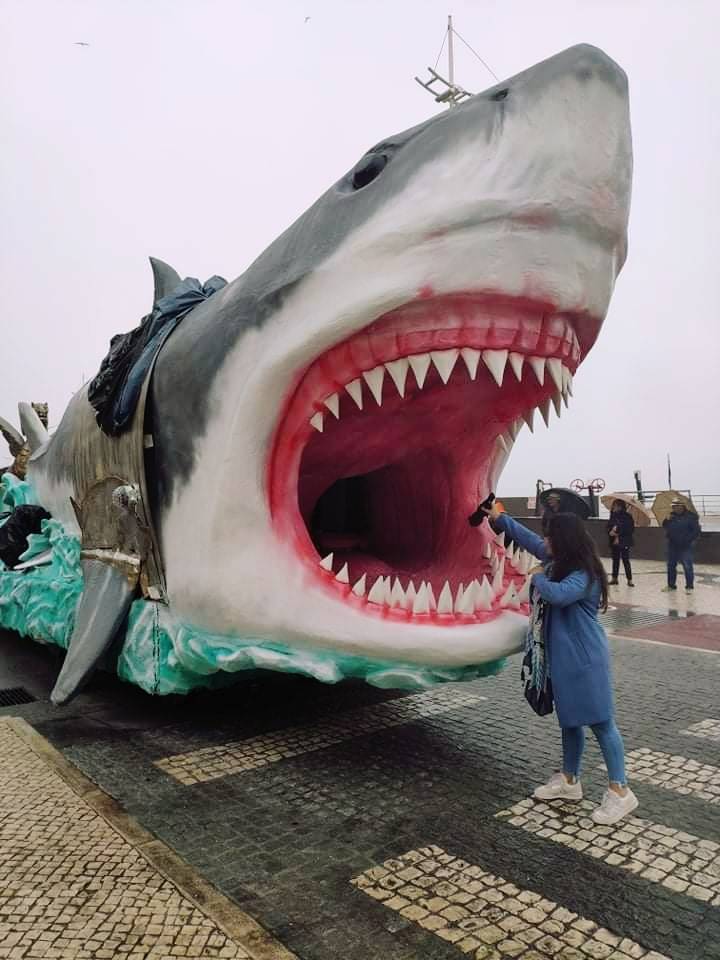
541	700
534	663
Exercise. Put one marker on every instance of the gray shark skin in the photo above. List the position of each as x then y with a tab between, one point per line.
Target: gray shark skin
522	190
253	298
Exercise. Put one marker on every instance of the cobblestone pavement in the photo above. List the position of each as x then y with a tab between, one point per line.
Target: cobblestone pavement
292	798
72	886
357	823
484	915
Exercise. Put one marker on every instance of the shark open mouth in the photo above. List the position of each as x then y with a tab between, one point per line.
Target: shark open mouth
392	437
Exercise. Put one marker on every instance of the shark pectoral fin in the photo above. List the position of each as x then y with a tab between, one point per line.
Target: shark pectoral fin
105	602
32	426
165	278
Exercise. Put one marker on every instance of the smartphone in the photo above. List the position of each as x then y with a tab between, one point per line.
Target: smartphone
477	518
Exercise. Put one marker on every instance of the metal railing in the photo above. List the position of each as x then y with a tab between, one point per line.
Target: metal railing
706	504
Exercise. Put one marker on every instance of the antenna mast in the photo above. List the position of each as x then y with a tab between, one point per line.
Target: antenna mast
445	91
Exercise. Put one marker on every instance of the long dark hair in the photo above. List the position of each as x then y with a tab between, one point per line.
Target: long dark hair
574	549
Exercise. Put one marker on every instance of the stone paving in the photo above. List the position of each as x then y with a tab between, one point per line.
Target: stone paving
674	772
288	840
292	798
680	861
709	729
208	763
72	887
486	917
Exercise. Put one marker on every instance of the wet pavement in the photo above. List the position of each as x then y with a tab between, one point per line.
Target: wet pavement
357	823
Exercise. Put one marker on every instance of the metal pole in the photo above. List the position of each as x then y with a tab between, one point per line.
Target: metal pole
451	59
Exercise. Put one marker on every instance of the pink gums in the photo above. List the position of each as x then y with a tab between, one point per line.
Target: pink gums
428	454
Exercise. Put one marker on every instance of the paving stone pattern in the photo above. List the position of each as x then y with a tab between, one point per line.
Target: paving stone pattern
71	887
232	757
486	917
707	729
678	860
285	839
675	772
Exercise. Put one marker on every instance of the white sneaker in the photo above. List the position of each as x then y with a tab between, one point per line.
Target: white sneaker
557	788
614	807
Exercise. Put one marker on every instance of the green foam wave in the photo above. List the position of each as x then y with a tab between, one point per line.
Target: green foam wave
160	654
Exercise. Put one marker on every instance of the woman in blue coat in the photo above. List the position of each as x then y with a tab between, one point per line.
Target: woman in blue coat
572	582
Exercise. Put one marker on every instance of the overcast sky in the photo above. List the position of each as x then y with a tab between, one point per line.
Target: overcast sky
196	130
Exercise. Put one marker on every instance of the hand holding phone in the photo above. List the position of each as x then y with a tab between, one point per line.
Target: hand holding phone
486	509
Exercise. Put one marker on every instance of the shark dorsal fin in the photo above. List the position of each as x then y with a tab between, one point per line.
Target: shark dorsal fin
166	279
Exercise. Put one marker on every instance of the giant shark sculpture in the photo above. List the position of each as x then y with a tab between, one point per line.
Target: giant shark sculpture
313	436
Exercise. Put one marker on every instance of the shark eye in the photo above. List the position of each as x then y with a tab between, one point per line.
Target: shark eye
500	94
368	169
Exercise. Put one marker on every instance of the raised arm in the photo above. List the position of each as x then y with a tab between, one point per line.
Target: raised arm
561	594
522	535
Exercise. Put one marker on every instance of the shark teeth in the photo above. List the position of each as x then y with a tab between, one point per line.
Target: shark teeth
333	404
495	361
359	588
471	358
516	361
378	592
537	365
480	596
420	364
374	379
397	595
444	362
354	388
554	367
550	372
445	601
398	370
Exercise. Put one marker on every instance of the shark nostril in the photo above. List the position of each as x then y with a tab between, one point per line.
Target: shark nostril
368	169
500	94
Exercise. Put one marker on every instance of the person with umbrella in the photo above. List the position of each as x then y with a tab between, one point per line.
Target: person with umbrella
561	500
552	506
620	528
682	529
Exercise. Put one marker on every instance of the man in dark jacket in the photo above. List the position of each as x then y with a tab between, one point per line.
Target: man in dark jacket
682	530
620	527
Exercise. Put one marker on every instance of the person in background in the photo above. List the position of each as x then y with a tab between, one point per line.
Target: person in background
572	583
620	527
552	506
682	529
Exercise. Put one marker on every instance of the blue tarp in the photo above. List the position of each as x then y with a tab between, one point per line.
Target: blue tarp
114	392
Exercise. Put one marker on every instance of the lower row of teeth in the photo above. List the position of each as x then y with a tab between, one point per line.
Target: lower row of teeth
478	596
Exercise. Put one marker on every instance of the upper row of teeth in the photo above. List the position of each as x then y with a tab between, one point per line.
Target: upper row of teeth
467	600
444	362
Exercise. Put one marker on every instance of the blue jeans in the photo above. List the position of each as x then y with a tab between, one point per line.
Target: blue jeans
611	744
683	555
